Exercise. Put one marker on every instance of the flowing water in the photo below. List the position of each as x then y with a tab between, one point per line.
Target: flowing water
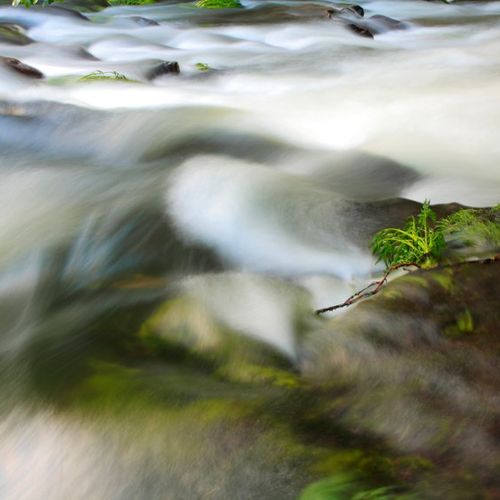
237	200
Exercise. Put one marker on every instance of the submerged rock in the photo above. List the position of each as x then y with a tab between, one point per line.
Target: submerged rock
61	11
353	17
376	25
144	21
164	68
13	34
86	5
364	32
346	9
20	67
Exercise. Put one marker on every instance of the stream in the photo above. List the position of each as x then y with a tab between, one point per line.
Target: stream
165	239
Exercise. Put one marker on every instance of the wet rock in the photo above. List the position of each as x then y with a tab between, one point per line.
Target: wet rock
57	10
86	5
20	67
13	34
83	53
376	25
361	220
419	365
359	30
357	10
144	21
164	68
383	23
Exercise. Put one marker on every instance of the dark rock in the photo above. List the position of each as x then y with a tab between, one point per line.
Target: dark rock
144	21
20	67
361	220
419	361
357	10
61	11
13	34
85	5
164	68
85	54
360	30
383	23
366	27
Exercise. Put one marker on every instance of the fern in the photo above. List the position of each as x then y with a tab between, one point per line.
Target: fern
419	241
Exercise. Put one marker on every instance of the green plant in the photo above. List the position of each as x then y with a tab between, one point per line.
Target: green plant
29	3
420	241
218	4
473	226
202	66
103	75
130	2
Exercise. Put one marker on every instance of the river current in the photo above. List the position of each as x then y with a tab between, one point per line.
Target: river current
245	189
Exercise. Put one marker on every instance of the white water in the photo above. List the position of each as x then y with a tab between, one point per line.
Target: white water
261	163
286	116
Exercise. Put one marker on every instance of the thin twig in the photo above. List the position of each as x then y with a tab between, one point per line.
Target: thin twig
363	293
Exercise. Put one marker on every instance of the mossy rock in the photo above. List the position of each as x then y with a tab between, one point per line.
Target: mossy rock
418	363
14	35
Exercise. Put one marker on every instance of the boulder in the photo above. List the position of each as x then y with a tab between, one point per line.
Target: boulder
164	68
417	365
19	67
13	34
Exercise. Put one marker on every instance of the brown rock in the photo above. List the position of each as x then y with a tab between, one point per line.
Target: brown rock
20	67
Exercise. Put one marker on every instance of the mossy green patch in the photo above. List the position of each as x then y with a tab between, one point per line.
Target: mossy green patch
415	280
473	227
346	487
444	278
185	325
261	375
392	293
464	325
131	2
219	4
465	322
104	75
202	66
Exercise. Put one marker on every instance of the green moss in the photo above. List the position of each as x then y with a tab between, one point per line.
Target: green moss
184	325
473	227
337	487
464	325
346	487
202	66
415	280
261	375
130	2
109	386
103	75
219	4
392	293
444	278
465	322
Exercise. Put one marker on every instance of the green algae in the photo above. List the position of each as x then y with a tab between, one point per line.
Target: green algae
444	278
219	4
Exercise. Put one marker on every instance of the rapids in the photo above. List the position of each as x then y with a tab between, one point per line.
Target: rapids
243	194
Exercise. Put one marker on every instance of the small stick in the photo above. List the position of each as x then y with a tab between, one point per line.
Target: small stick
363	293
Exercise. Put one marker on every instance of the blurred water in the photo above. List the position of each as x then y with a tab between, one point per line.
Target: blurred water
248	189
